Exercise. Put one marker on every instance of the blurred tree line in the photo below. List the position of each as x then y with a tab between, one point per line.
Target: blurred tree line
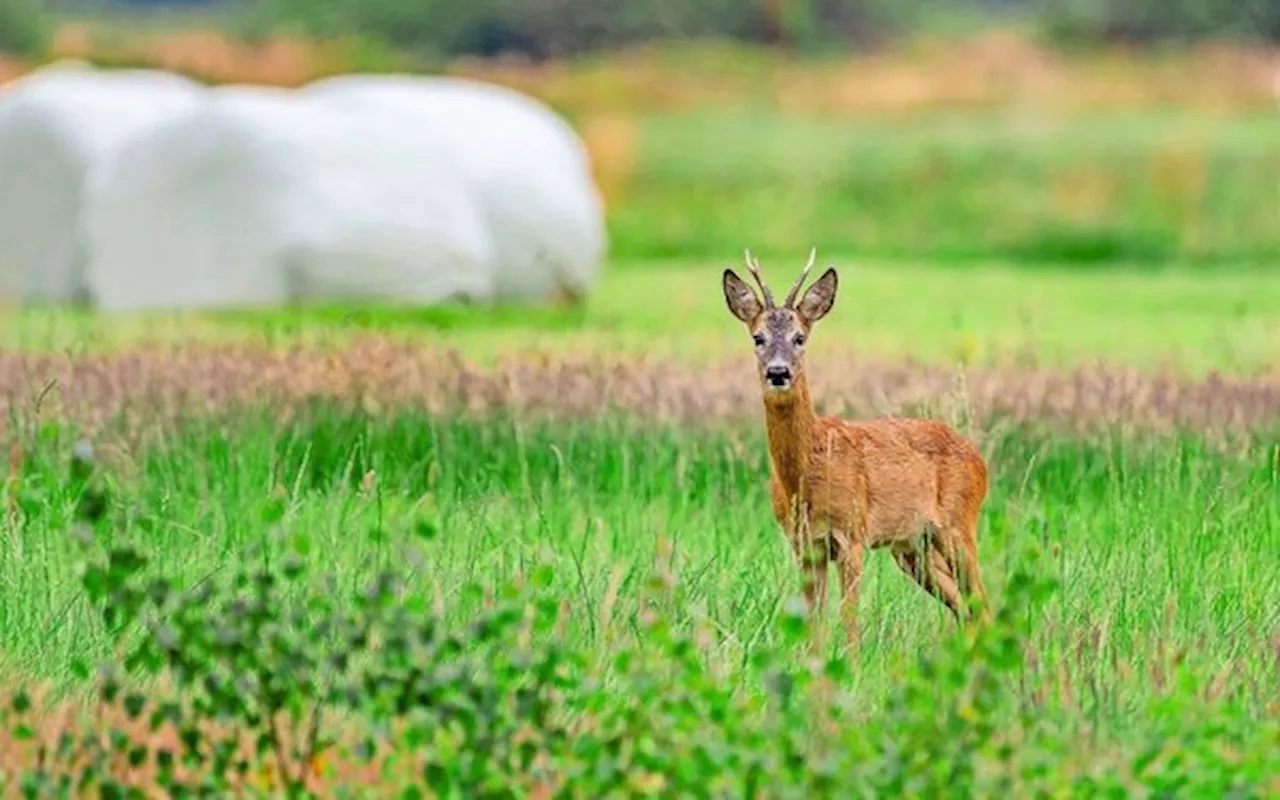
548	28
545	28
1153	21
23	26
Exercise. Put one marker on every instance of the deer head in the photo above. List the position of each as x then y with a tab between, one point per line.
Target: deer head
780	332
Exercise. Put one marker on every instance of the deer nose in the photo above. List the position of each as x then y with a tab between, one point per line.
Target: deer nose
777	376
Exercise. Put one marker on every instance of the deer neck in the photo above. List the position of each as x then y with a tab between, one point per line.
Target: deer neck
789	422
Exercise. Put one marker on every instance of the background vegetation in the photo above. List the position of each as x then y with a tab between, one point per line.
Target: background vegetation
550	28
22	27
943	142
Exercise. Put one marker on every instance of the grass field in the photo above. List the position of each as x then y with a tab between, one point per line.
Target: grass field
529	552
1186	321
1151	509
1160	544
1148	187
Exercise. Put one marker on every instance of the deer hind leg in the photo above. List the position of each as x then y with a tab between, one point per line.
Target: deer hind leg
943	574
928	567
966	568
957	554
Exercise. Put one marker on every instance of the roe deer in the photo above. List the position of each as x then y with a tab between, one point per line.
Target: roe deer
839	487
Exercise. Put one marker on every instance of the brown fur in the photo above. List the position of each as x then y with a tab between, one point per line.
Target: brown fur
840	488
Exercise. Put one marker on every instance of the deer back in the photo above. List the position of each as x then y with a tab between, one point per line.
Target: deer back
883	480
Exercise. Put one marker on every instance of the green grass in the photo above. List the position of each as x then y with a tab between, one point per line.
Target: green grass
1160	545
1149	188
1191	321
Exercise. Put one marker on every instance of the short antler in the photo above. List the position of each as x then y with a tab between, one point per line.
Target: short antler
755	272
795	289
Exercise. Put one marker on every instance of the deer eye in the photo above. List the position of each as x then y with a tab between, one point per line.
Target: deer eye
758	339
799	340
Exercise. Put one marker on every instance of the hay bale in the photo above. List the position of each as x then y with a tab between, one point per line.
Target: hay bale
57	126
528	167
261	196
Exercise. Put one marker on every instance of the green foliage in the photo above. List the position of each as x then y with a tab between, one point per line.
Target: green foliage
23	27
288	666
503	704
1096	190
1147	21
544	28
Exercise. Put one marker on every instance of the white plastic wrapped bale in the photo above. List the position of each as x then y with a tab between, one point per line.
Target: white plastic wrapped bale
261	197
530	167
58	125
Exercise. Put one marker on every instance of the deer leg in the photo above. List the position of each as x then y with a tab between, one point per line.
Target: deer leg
944	579
959	556
930	571
849	562
941	560
813	557
966	567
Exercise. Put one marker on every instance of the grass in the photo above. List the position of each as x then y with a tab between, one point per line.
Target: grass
1141	187
1191	321
1162	628
1161	545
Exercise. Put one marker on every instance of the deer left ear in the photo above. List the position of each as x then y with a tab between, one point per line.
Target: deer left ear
740	297
820	297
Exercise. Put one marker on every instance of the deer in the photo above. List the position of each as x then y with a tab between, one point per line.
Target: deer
840	488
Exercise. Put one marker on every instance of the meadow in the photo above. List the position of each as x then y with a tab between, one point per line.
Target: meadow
529	552
1145	502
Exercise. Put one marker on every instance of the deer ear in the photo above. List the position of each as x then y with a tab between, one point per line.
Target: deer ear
820	297
740	297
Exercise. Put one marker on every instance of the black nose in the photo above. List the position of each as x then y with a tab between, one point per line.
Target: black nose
777	376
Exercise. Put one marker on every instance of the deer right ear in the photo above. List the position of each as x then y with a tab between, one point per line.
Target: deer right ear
741	298
820	298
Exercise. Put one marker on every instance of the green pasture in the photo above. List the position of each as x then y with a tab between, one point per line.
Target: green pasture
1192	321
1160	546
1028	186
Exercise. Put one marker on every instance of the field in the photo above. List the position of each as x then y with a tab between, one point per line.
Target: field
1147	499
530	552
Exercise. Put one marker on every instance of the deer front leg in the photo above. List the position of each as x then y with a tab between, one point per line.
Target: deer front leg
849	562
813	557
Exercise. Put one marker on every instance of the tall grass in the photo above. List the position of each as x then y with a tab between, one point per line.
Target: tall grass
1164	547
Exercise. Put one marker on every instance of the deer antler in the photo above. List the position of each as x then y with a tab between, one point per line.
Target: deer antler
755	272
795	288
